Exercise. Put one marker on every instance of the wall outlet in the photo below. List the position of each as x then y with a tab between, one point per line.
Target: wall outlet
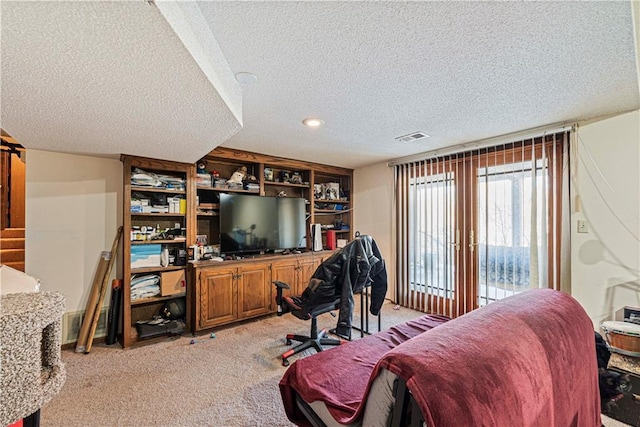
583	226
72	322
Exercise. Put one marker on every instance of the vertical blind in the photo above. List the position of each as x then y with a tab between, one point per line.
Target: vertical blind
474	227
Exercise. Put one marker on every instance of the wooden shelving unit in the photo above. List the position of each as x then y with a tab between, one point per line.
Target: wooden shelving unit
274	176
146	308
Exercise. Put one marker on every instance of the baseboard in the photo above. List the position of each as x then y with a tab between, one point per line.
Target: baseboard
72	345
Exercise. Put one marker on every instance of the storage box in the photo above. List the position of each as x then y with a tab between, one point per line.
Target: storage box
145	256
172	283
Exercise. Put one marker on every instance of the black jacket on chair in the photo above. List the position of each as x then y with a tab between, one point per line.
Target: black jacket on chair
347	272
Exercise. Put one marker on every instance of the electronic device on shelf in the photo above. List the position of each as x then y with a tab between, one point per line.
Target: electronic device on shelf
251	224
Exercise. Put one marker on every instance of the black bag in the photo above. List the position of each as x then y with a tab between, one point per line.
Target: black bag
602	352
174	309
148	330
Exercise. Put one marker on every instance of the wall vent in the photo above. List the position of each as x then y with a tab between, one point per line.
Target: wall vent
72	322
413	136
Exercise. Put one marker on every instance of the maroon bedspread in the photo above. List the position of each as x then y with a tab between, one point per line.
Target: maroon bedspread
528	360
341	376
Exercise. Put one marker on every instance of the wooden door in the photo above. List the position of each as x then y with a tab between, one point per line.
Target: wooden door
218	297
286	271
254	290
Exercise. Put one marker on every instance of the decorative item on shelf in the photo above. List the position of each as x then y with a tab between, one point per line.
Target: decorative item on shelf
295	178
238	176
268	174
332	191
318	191
285	176
250	183
202	168
281	194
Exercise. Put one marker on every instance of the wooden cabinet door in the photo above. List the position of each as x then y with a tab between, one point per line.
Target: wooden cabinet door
218	297
254	290
286	271
308	266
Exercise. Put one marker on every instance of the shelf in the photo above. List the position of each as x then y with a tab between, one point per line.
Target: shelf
337	231
229	190
156	269
156	190
138	342
331	211
153	242
334	202
286	184
207	214
155	299
157	214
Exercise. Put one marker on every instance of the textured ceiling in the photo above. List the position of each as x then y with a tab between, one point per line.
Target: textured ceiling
106	78
459	71
112	77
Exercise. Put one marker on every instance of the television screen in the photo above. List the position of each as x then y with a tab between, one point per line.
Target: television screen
254	223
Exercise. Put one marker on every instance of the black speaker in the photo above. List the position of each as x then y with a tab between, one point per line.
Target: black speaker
181	257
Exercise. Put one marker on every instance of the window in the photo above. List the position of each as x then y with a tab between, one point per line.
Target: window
476	227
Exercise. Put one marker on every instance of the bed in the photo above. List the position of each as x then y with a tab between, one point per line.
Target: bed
525	360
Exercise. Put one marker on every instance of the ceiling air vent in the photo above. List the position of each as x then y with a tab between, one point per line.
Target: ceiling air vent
414	136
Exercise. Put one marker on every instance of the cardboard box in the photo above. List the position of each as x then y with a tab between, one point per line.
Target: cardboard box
172	283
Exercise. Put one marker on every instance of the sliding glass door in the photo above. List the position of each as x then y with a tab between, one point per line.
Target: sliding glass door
477	227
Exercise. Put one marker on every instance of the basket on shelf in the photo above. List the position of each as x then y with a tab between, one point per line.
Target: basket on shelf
623	337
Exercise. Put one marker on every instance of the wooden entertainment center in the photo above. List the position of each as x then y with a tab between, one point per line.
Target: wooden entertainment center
218	293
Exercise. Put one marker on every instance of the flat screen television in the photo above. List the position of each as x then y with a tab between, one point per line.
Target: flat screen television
252	224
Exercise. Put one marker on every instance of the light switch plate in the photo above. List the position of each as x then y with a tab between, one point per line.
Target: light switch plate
583	226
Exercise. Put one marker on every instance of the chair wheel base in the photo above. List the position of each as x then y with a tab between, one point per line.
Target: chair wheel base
316	343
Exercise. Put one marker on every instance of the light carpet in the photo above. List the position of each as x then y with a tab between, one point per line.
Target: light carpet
229	380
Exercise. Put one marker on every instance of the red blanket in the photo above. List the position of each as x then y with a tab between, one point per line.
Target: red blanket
528	360
341	376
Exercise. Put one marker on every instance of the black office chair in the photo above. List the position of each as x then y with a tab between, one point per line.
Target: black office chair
298	308
348	271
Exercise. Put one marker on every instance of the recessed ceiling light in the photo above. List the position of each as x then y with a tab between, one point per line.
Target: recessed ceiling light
313	122
246	78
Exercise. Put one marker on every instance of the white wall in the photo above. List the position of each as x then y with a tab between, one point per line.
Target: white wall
606	261
373	212
73	209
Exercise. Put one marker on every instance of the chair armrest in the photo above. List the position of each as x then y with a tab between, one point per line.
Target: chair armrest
279	287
